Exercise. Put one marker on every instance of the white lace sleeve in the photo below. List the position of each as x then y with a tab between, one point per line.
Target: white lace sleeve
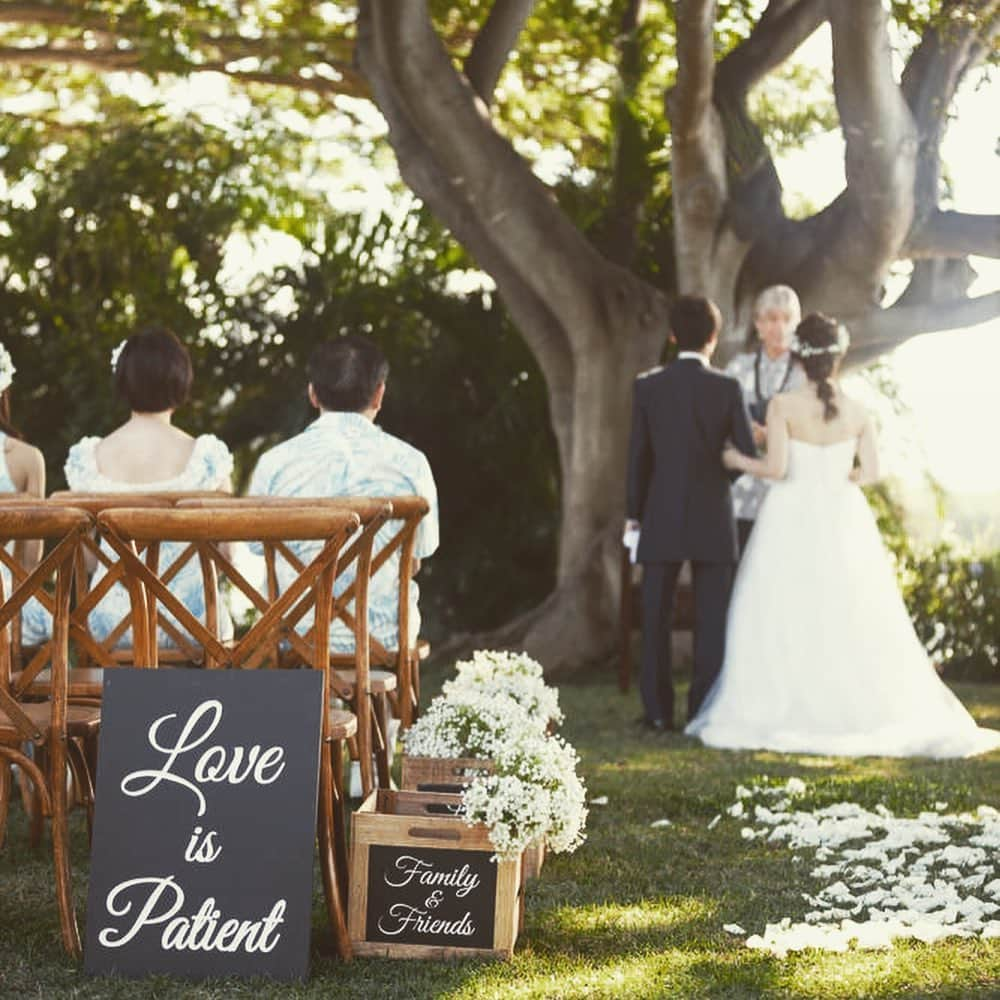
214	468
79	467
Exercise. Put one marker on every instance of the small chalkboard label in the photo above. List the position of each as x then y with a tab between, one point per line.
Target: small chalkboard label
431	896
205	822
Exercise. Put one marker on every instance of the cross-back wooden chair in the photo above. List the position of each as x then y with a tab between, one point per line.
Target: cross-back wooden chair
92	654
404	660
364	689
206	530
53	728
95	653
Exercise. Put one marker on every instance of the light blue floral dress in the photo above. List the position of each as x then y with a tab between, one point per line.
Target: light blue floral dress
210	467
36	623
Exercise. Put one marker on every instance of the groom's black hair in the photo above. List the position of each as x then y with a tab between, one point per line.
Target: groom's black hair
346	372
694	320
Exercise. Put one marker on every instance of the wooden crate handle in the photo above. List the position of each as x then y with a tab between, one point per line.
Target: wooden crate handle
420	831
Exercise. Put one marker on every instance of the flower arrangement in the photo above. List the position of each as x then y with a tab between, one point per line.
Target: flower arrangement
514	675
839	346
7	369
533	794
468	724
498	708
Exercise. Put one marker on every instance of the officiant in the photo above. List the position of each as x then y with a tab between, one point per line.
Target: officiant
765	369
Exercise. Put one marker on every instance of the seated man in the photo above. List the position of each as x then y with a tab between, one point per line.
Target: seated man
344	453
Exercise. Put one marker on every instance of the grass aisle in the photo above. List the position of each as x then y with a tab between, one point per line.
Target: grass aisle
637	912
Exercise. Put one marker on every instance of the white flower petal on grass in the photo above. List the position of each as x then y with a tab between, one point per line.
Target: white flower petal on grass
601	800
927	878
714	822
733	929
658	823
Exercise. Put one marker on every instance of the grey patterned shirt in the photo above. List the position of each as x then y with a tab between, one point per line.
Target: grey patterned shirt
749	492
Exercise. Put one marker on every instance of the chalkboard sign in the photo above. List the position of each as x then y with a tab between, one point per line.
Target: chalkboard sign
431	896
205	823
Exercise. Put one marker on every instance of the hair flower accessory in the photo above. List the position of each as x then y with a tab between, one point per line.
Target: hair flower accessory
7	369
839	346
116	354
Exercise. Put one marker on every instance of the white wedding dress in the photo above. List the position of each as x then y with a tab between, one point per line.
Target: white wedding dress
821	656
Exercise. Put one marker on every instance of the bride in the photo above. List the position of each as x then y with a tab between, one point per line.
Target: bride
821	656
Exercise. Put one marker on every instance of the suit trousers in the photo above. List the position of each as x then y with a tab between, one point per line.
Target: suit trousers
712	584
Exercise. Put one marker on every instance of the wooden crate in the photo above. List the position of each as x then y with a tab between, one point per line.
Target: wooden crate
441	774
423	883
452	774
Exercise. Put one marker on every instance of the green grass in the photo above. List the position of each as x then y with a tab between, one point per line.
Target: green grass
636	912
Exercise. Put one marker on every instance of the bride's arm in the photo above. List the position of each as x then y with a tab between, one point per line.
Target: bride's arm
775	462
867	470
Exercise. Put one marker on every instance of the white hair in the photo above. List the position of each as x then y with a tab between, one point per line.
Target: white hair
779	297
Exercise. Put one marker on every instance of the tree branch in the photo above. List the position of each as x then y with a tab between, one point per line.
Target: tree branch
691	98
879	132
492	46
350	84
631	176
780	31
949	48
483	169
956	234
877	332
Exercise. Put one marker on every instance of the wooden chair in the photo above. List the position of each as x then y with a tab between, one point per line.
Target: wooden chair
53	728
93	654
205	530
405	659
352	679
630	617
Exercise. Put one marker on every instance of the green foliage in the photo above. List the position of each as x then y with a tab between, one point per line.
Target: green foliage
114	228
953	597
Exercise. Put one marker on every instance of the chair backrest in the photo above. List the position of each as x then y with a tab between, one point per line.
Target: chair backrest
91	588
205	529
355	560
63	528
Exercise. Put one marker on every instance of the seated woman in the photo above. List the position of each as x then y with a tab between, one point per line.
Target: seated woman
21	471
147	454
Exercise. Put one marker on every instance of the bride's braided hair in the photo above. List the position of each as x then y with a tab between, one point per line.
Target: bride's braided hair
819	344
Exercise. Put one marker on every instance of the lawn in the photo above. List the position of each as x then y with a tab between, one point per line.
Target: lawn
638	911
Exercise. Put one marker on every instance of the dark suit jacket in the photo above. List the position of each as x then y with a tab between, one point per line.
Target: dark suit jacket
682	416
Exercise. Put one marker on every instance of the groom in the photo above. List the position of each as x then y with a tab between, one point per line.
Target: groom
678	494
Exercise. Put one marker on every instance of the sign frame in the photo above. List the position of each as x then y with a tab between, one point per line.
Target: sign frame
205	824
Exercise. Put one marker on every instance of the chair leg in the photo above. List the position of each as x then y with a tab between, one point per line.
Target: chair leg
380	737
35	807
6	788
414	688
335	903
58	764
340	816
82	782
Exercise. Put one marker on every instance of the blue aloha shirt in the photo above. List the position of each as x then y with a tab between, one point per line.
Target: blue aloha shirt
346	454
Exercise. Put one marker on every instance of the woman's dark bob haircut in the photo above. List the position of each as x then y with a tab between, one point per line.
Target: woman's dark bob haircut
153	373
